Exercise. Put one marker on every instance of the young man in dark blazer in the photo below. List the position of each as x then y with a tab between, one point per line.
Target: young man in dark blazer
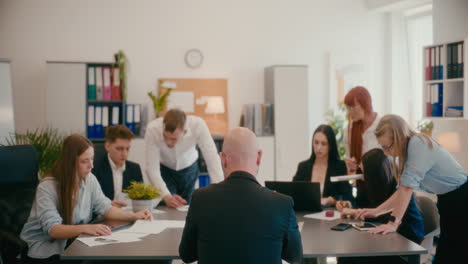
113	171
238	220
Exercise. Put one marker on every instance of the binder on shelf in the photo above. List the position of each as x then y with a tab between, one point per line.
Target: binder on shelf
91	83
106	83
98	121
99	92
136	119
115	117
105	120
449	61
116	93
429	64
433	63
440	69
460	61
129	117
428	101
258	120
437	99
91	133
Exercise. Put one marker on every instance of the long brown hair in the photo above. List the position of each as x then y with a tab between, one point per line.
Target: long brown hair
399	132
361	96
65	173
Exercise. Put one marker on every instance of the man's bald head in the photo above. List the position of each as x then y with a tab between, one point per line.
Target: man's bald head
240	151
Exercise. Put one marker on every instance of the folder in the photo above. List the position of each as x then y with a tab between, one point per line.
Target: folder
429	70
449	61
136	119
258	119
99	92
460	60
426	64
455	61
91	83
105	119
106	80
90	121
98	121
116	93
129	117
115	115
428	101
440	69
432	63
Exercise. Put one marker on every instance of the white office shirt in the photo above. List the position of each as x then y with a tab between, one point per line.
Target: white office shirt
369	140
183	154
117	175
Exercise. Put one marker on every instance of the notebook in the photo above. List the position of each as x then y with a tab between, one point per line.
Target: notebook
306	195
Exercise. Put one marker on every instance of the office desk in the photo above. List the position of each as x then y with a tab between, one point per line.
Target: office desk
317	241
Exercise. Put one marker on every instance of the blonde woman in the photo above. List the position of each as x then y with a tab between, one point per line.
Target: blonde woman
420	163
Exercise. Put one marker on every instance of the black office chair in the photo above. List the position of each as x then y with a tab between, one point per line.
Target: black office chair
18	181
430	215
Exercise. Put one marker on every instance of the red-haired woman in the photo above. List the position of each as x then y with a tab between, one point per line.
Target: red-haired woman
359	136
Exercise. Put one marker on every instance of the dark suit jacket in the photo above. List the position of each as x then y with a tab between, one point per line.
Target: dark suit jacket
239	221
103	172
339	190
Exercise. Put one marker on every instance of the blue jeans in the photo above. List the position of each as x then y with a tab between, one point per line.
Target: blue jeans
181	182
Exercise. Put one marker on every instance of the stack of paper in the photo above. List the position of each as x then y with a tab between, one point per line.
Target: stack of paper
322	216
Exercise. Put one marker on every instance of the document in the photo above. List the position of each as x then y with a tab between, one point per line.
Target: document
183	208
116	237
154	226
183	100
322	216
346	177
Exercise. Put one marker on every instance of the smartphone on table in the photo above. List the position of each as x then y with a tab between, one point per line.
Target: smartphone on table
341	227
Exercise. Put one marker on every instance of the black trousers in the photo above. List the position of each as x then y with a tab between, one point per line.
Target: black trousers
181	182
453	207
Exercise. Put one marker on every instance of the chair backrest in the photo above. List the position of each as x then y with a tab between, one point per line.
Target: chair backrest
429	213
18	182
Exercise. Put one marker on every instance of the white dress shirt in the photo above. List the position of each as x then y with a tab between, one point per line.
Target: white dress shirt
183	154
117	175
369	140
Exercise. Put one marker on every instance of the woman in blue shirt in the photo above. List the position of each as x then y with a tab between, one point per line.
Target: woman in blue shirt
420	163
381	185
65	203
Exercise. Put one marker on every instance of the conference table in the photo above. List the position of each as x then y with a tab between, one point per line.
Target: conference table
318	240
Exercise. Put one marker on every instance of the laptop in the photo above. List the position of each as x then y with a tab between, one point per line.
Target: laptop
306	195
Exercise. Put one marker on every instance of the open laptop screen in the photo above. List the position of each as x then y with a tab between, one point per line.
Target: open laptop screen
306	195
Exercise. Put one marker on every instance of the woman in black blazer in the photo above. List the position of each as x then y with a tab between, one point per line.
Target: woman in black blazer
323	163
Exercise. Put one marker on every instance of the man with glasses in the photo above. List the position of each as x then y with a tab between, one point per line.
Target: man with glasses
171	155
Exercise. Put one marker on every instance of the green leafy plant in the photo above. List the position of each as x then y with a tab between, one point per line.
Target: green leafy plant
142	191
425	125
338	122
160	101
47	142
121	62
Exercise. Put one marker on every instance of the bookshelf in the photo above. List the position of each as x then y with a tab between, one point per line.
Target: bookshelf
83	98
445	91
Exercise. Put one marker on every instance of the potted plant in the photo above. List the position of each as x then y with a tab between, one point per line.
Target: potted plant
160	101
143	196
338	122
425	126
47	142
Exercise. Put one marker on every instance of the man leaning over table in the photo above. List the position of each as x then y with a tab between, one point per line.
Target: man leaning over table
171	155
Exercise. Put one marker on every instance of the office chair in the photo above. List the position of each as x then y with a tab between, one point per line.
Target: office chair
430	215
18	181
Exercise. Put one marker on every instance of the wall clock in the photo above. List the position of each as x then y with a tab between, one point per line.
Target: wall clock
193	58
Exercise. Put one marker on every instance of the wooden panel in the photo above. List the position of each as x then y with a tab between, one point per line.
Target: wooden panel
217	123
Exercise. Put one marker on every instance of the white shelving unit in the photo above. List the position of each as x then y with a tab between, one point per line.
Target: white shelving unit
454	89
286	86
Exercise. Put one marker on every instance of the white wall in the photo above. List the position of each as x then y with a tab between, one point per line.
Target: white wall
238	39
450	18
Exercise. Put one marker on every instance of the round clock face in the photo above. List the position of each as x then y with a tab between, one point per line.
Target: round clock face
194	58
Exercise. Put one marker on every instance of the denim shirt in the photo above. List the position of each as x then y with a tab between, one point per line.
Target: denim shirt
44	215
431	170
